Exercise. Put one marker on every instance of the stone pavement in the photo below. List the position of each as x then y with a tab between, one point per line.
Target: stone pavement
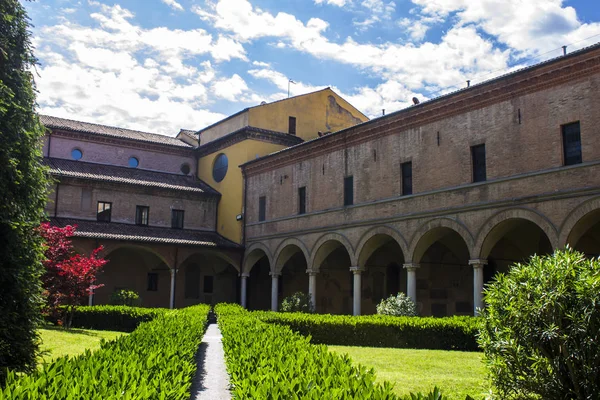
211	381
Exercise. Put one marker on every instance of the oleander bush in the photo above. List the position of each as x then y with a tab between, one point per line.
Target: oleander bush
156	361
398	305
113	318
451	333
298	302
541	336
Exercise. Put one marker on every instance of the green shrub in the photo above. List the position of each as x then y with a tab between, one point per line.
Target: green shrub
156	361
268	361
298	302
399	305
23	194
125	297
542	328
451	333
113	318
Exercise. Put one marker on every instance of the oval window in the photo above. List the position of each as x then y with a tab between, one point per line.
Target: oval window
76	154
133	162
220	167
185	168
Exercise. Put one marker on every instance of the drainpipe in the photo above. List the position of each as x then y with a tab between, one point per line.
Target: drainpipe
56	200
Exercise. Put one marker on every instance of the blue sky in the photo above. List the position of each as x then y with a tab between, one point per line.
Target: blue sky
162	65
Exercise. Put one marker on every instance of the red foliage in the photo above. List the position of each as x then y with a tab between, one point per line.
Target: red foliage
69	277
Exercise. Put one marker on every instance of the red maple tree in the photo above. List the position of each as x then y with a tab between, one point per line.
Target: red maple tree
69	277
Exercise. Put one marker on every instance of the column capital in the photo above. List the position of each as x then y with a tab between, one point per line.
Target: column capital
275	274
244	274
478	263
411	266
357	270
312	272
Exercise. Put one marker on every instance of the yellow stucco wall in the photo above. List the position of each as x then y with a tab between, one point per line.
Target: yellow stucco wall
322	111
231	187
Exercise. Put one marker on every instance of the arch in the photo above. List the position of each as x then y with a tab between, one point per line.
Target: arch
568	234
364	251
429	232
286	250
109	250
253	253
325	245
485	243
223	256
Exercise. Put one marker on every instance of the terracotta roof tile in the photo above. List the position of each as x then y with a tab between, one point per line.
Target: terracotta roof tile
131	176
146	234
104	130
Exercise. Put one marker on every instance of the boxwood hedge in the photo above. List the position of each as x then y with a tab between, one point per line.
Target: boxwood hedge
452	333
114	318
269	361
156	361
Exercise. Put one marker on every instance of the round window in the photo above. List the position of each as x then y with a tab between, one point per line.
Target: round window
133	162
220	167
76	154
185	168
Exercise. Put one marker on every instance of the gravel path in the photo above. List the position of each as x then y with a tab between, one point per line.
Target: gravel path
211	381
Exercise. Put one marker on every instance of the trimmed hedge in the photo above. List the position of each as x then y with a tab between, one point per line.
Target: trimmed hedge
267	361
452	333
113	318
156	361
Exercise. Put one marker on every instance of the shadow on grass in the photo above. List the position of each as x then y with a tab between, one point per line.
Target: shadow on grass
71	330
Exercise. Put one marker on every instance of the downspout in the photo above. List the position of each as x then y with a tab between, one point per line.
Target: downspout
56	200
49	143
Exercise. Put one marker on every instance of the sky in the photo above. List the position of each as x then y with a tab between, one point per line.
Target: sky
162	65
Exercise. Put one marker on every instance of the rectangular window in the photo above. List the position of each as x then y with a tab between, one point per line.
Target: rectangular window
152	285
262	208
478	159
208	284
572	143
177	219
348	190
142	214
292	126
302	200
103	213
406	178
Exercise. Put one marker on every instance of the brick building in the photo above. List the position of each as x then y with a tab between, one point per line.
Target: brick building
431	200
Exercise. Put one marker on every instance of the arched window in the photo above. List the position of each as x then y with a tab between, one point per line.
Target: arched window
220	167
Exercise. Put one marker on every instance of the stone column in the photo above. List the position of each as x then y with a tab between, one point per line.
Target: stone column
356	297
91	299
312	287
244	292
411	280
274	289
172	296
477	265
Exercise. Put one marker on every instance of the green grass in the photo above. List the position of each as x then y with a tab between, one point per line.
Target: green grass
456	373
58	342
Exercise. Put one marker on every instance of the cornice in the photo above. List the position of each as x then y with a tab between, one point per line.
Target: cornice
529	80
248	132
115	141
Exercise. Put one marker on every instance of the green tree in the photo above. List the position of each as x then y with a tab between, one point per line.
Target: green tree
23	183
542	328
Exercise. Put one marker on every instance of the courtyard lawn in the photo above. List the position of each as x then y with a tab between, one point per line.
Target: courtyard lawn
58	342
456	373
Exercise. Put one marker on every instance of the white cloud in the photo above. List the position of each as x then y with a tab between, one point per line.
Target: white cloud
119	73
529	27
339	3
231	88
173	4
